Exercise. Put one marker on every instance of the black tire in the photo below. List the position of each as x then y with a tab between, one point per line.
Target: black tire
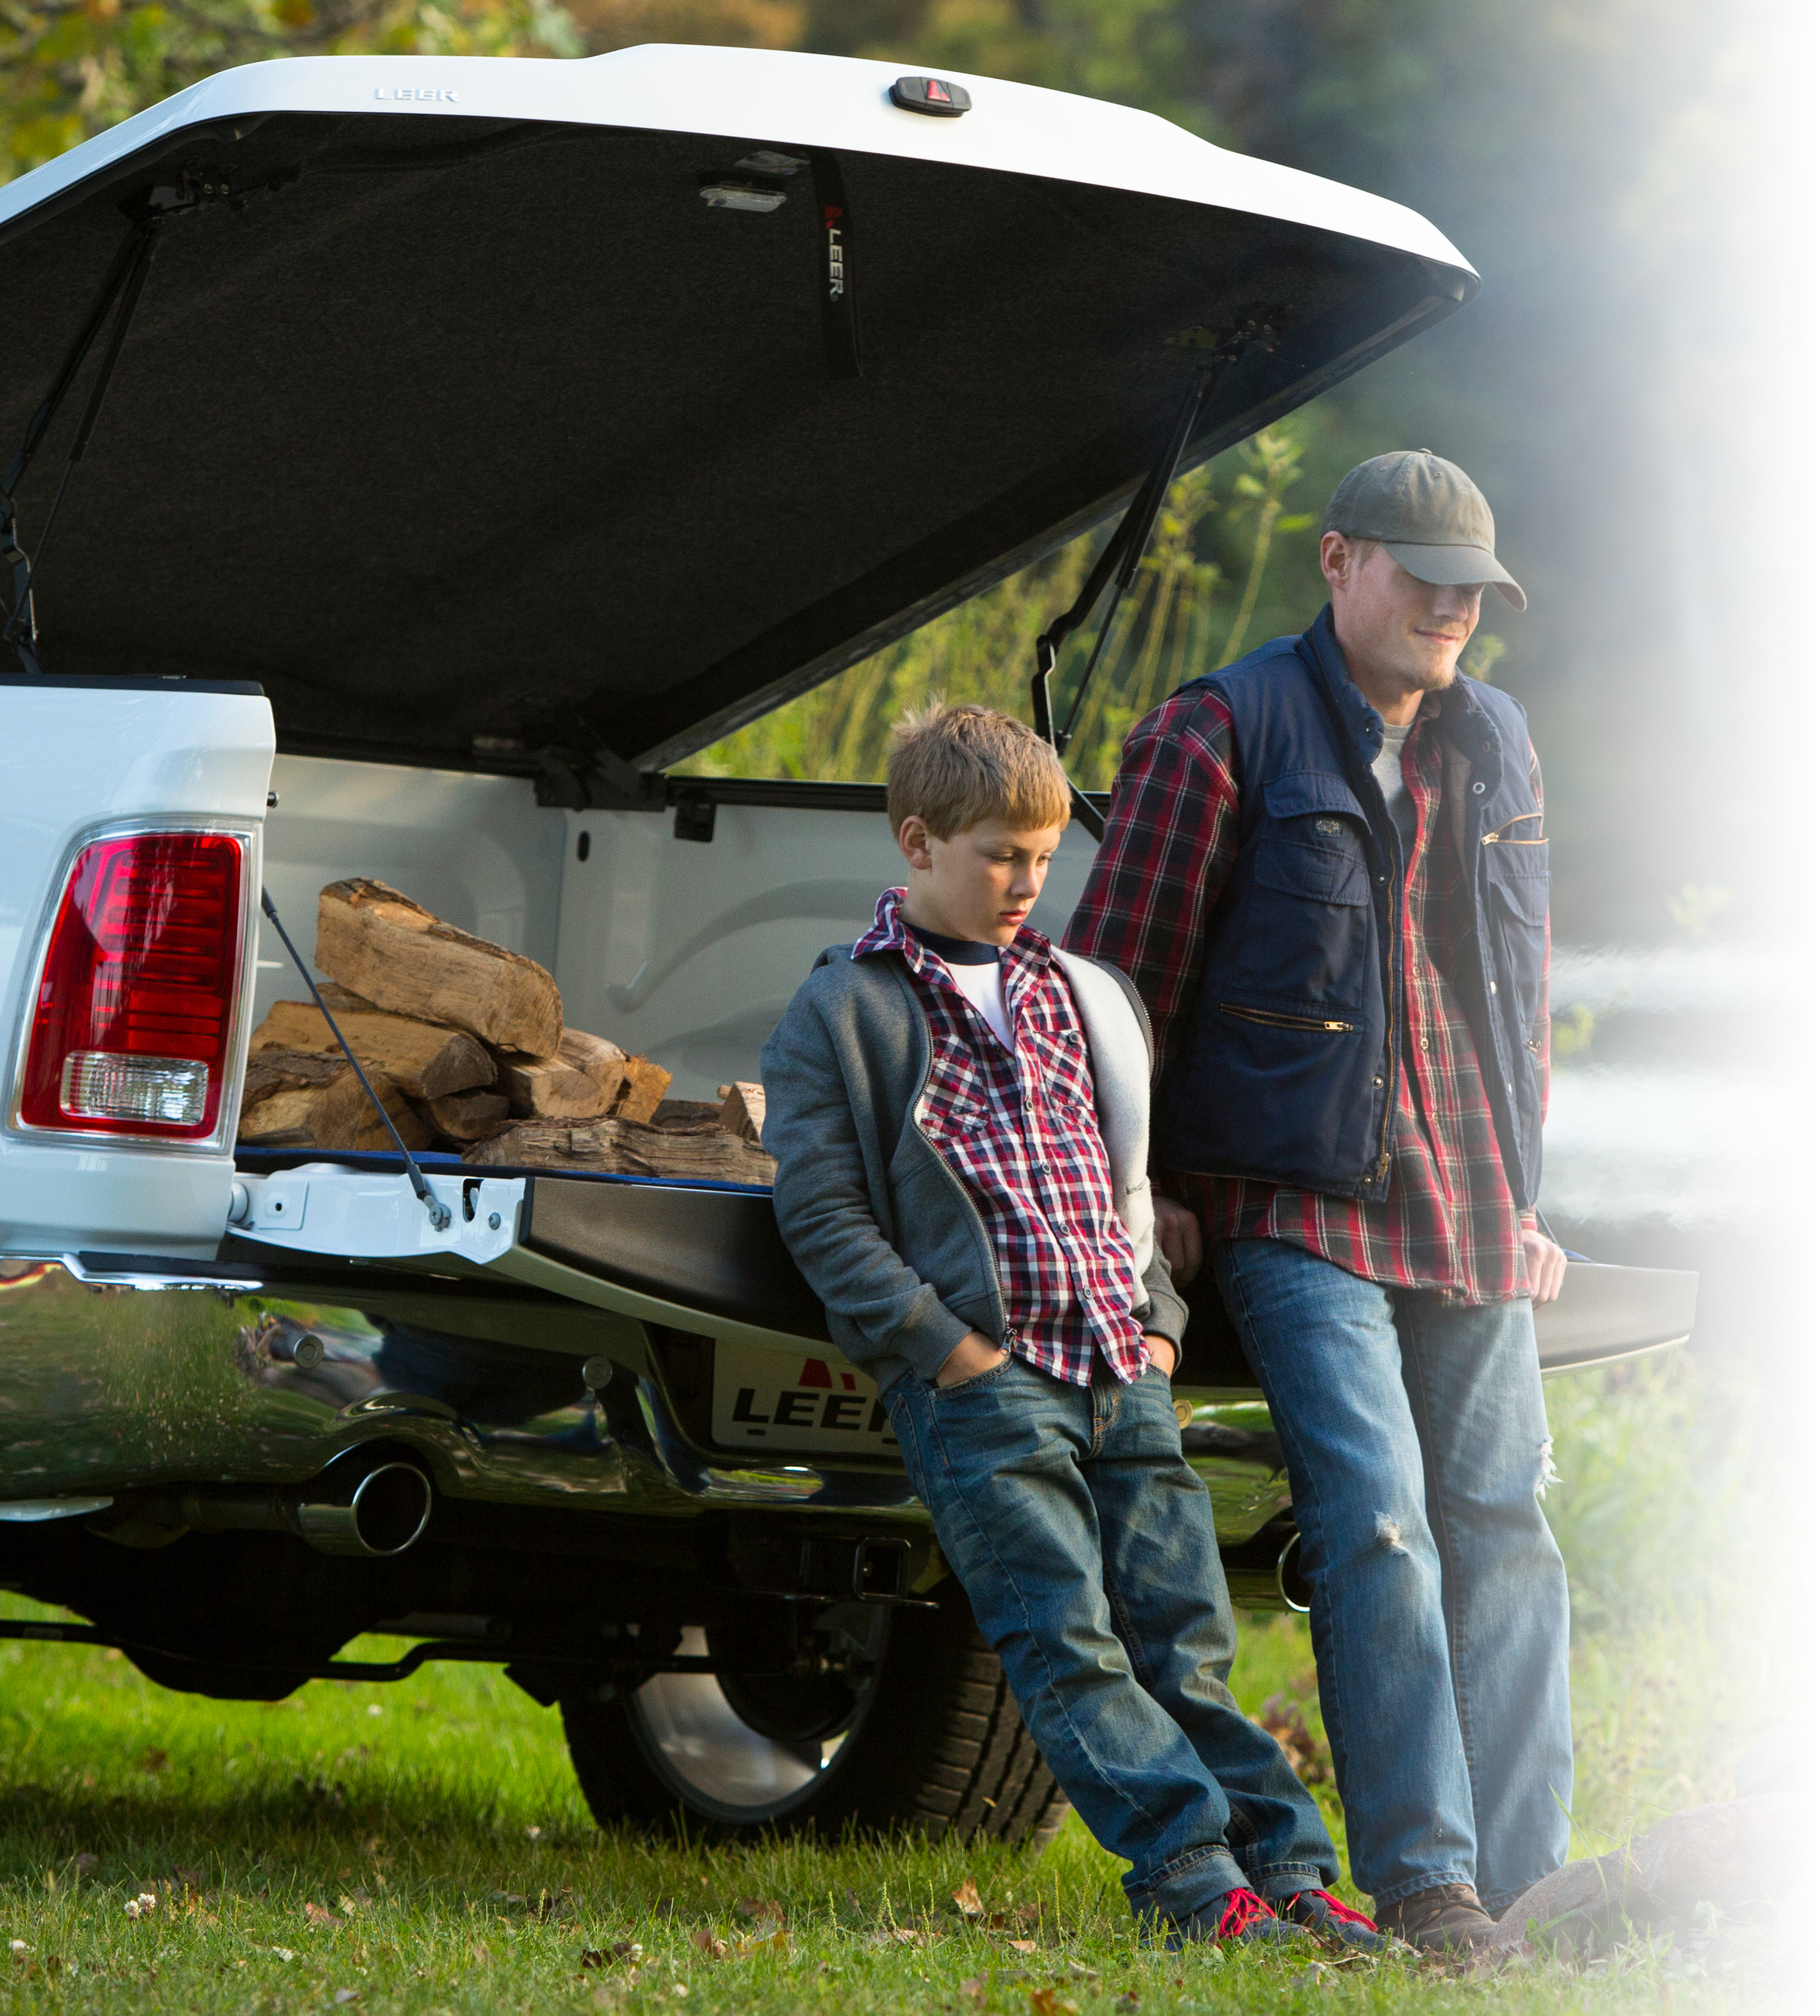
933	1743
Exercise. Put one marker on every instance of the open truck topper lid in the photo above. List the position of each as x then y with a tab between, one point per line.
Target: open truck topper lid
487	411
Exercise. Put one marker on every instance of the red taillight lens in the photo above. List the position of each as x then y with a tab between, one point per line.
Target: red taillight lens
135	1006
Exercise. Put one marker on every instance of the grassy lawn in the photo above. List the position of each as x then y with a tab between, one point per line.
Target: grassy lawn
423	1848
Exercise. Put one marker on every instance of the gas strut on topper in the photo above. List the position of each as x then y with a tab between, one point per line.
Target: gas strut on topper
197	189
1118	563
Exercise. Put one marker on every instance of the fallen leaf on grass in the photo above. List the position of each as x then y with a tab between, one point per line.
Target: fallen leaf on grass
153	1761
621	1949
1048	2001
319	1914
1023	1946
968	1899
974	1990
777	1942
758	1910
1128	2001
481	1954
706	1944
347	1994
1019	1914
901	1935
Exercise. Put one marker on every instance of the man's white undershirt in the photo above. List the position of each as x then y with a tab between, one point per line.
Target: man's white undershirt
1387	768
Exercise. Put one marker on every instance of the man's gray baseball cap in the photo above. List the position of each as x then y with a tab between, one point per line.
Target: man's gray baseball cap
1428	514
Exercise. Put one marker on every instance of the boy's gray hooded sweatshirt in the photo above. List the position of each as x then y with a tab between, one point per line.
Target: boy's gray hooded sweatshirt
881	1225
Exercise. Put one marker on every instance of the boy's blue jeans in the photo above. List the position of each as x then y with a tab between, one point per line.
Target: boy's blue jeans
1416	1443
1085	1543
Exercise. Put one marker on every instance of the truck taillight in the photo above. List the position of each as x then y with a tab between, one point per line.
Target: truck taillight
132	1029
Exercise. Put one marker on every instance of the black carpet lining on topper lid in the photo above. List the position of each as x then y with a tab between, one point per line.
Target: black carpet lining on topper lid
483	437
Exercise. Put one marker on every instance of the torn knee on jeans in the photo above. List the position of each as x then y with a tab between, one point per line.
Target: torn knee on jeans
1389	1533
1546	1473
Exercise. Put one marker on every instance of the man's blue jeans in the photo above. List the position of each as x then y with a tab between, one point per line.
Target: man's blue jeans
1085	1543
1417	1446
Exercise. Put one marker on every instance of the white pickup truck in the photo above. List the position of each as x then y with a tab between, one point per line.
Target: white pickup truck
480	439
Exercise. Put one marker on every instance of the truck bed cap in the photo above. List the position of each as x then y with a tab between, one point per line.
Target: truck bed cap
472	429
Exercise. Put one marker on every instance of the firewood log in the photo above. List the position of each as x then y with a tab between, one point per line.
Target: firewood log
420	1058
626	1148
580	1081
306	1099
374	940
742	1109
645	1083
467	1116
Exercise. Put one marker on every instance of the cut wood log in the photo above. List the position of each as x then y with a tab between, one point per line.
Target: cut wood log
645	1083
742	1109
306	1100
420	1058
374	939
581	1082
627	1148
467	1116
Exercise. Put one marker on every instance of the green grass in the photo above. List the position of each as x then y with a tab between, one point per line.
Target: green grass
424	1847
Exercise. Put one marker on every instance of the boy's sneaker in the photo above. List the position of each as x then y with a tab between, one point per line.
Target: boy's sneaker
1447	1919
1334	1924
1242	1918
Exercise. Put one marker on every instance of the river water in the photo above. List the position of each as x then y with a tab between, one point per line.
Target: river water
1688	1133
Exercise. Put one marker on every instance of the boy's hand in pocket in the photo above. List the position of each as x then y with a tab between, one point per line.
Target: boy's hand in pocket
975	1353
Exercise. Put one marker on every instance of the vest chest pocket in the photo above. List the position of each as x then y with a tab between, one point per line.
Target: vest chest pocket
1306	932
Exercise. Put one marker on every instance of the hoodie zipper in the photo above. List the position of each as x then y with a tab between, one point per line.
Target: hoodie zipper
1285	1021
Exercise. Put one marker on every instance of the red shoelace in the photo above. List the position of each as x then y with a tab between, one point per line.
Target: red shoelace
1344	1913
1242	1909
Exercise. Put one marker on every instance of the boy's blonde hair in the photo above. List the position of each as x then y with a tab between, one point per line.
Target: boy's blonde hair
954	766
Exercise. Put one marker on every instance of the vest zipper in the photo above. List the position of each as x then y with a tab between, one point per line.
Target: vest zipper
1283	1021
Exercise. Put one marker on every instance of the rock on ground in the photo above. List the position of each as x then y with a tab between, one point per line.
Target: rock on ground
1736	1856
1575	1906
1786	1759
1743	1857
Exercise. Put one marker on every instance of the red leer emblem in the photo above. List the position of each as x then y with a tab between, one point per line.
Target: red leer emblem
938	91
815	1373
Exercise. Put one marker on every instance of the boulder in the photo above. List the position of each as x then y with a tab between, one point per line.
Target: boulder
1786	1759
1801	1908
1740	1856
1577	1907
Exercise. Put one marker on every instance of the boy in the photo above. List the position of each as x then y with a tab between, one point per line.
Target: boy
961	1115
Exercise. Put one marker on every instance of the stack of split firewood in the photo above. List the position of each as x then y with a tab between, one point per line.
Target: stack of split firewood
463	1043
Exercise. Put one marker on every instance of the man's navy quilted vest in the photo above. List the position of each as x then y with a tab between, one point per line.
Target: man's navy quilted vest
1289	1072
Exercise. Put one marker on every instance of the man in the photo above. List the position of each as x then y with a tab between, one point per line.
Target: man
1325	871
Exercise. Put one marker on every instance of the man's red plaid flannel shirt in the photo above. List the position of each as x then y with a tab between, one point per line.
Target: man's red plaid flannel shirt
1021	1131
1449	1223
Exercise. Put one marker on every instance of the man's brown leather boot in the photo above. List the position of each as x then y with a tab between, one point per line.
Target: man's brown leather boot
1447	1919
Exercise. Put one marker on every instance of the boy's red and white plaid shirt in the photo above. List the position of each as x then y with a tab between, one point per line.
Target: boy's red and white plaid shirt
1449	1224
1020	1130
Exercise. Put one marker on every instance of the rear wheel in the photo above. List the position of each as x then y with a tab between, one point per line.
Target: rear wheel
909	1722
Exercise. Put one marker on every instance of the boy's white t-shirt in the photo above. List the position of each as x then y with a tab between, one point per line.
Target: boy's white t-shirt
978	970
985	987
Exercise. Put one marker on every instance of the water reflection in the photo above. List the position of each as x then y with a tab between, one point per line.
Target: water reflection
1688	1133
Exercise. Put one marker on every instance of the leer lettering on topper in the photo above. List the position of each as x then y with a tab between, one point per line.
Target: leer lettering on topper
412	92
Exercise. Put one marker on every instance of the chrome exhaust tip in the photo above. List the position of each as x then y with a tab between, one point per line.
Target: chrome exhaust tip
385	1512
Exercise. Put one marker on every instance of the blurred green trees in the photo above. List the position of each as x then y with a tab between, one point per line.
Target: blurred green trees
71	68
